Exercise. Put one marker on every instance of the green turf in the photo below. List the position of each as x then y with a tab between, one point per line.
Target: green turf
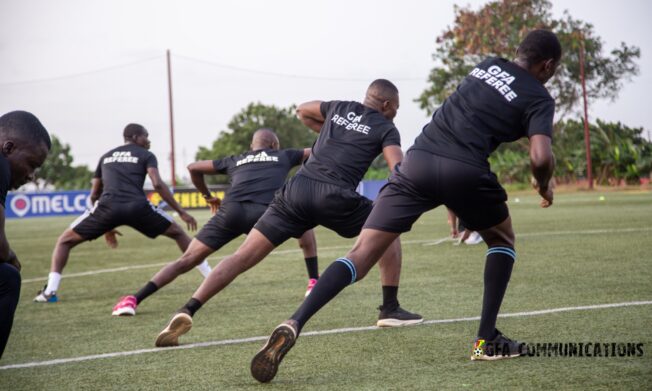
582	251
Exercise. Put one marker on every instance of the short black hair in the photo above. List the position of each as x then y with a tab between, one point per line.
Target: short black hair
383	89
24	125
132	130
539	45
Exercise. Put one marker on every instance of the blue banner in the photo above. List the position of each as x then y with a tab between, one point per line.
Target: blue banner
370	189
47	204
62	203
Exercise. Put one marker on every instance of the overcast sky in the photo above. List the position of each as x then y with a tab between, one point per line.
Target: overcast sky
86	68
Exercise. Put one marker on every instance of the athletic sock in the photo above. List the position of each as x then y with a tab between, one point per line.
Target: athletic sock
204	268
497	271
192	306
313	267
335	278
390	297
145	291
54	279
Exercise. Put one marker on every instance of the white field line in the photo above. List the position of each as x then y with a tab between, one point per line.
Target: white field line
310	334
554	233
424	242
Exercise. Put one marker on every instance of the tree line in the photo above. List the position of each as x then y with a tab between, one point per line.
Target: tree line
619	152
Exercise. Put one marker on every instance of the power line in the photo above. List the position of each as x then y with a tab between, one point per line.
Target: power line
287	75
205	62
74	75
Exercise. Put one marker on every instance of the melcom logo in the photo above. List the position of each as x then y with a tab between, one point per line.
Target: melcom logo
48	204
20	205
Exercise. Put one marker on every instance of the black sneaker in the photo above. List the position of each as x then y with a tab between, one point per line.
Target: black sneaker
497	349
396	316
265	363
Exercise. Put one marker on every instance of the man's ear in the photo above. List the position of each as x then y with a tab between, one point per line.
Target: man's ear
549	65
8	148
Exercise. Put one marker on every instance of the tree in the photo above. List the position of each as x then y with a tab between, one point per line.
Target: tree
497	28
58	170
619	153
237	139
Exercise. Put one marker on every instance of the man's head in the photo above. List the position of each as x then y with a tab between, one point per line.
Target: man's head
136	134
540	54
25	143
265	138
382	95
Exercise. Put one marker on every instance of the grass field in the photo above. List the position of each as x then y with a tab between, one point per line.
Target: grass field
580	252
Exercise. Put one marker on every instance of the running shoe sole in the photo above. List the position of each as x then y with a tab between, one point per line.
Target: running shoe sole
265	363
124	311
390	322
484	357
180	324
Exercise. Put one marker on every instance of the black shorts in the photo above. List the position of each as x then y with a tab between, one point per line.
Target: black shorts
303	203
105	216
424	181
231	220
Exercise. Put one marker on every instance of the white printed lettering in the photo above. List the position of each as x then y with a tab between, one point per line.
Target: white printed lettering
510	96
494	70
498	79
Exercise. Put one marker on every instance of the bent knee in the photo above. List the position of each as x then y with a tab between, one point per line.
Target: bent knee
69	238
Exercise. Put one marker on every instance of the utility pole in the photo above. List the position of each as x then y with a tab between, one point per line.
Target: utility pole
174	176
587	136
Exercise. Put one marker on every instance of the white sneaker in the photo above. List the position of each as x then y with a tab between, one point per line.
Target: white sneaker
474	238
41	297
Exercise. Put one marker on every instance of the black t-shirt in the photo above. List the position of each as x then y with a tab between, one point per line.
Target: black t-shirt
5	179
497	102
123	170
350	139
256	175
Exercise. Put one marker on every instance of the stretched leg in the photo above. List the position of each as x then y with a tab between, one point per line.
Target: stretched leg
497	272
369	247
491	344
65	243
391	313
9	294
308	244
176	233
254	249
193	256
196	253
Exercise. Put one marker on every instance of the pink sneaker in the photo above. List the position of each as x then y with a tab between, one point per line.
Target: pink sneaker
125	307
311	284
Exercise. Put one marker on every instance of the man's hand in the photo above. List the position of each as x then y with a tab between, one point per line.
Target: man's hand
546	193
214	203
13	260
111	238
189	220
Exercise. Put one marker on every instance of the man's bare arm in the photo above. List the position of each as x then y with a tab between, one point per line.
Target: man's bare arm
393	155
162	189
96	189
542	162
197	171
310	114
